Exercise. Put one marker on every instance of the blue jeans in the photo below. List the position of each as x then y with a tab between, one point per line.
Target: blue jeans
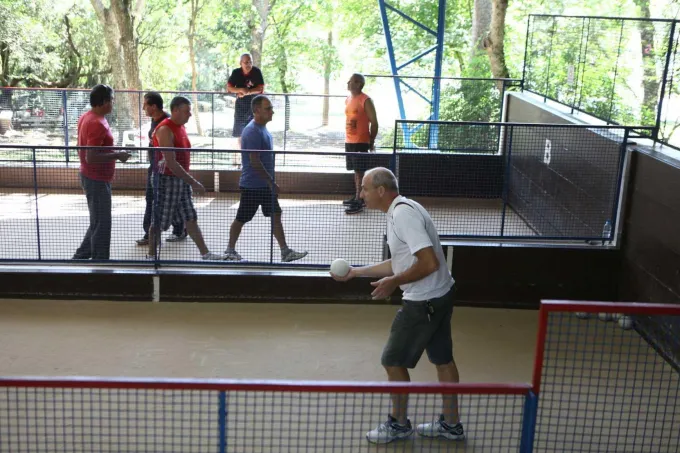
97	242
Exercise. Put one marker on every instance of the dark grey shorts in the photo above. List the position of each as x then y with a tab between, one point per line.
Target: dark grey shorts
412	333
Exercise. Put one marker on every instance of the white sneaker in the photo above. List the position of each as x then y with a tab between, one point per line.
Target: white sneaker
292	255
213	257
389	431
232	255
442	429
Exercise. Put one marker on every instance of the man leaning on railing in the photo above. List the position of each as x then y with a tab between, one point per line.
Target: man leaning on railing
97	167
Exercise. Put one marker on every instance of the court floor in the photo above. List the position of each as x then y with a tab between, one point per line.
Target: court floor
316	224
616	394
241	341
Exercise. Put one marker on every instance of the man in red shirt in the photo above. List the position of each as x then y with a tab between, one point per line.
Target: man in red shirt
97	167
175	184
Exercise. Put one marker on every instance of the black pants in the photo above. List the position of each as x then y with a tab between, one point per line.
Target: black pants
177	226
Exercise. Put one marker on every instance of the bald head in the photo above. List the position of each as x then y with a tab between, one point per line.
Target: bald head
383	177
356	83
379	188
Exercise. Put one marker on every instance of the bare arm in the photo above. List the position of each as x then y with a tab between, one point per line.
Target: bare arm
233	89
383	269
94	156
259	89
167	140
373	118
426	263
262	172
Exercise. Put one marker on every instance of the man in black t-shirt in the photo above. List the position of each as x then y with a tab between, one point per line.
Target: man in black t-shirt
153	107
246	82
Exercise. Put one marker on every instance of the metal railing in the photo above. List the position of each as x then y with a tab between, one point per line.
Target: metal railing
522	182
48	117
618	70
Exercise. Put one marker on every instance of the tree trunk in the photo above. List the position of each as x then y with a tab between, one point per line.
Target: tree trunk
327	68
195	8
283	70
119	35
650	82
481	24
112	40
4	64
124	16
494	41
258	29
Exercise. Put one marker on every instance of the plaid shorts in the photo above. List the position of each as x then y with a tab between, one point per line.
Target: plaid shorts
174	202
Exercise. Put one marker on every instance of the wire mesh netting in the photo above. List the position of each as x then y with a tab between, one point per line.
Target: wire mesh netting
610	382
610	68
186	420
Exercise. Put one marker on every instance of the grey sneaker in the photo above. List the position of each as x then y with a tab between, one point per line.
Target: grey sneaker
210	256
232	255
292	255
175	238
143	241
440	428
389	431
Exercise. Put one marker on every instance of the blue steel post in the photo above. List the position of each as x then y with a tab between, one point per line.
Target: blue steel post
393	65
436	84
64	106
37	212
529	423
222	420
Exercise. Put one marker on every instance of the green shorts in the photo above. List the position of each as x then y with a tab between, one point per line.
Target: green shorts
413	332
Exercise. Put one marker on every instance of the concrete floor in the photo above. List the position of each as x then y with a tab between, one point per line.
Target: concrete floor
316	224
603	389
240	341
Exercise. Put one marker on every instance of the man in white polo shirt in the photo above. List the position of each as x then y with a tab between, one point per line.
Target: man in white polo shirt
423	323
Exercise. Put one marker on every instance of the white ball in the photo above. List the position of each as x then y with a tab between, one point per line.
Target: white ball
340	267
625	322
606	316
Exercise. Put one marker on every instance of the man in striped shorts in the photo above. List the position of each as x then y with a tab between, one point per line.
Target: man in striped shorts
175	184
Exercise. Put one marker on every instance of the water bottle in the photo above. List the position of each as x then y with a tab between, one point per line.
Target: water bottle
606	231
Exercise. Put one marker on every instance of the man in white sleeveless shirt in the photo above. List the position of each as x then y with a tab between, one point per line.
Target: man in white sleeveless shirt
423	323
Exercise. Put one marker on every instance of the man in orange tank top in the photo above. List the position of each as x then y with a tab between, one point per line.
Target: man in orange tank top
175	184
361	128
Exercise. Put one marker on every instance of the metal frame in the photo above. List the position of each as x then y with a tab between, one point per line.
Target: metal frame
654	130
434	100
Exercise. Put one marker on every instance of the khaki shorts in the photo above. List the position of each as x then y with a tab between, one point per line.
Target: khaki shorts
413	332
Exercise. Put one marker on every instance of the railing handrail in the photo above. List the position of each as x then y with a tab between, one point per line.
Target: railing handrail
490	79
515	124
124	90
267	385
638	19
199	150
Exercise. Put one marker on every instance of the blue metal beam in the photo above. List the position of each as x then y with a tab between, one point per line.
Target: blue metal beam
436	85
439	54
393	64
410	19
417	57
416	92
